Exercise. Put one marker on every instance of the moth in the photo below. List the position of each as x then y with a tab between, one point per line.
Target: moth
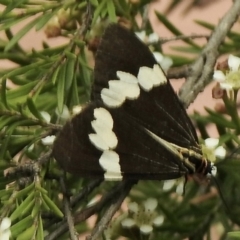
135	127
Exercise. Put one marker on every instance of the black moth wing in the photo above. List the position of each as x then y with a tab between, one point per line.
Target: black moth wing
159	110
141	157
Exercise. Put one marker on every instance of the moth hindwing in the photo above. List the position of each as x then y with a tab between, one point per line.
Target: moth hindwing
135	127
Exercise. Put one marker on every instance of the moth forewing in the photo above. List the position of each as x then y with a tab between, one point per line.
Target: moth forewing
135	127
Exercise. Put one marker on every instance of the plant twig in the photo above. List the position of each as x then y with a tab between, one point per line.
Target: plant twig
178	72
124	188
86	191
84	214
81	32
202	68
182	37
33	120
67	212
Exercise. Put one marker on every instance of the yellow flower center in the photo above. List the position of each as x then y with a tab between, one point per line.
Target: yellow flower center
233	78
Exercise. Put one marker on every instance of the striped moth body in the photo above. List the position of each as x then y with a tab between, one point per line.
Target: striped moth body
135	126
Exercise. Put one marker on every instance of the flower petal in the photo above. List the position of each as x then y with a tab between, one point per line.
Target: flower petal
211	142
158	57
180	188
153	37
133	207
76	109
5	224
226	86
158	221
65	114
168	184
5	235
219	76
48	140
146	229
220	152
166	63
233	62
128	223
150	204
141	35
46	116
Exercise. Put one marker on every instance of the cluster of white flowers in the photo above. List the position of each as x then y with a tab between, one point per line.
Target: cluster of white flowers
48	141
230	79
144	218
64	116
164	61
177	183
217	151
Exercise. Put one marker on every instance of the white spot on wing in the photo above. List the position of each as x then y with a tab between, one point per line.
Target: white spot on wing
151	77
127	87
159	72
104	116
143	78
98	142
103	138
105	133
128	90
127	77
111	98
109	161
119	90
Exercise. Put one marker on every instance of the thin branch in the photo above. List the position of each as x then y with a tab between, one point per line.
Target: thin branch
182	37
178	72
145	17
124	188
30	167
81	32
33	120
116	196
67	212
202	68
86	191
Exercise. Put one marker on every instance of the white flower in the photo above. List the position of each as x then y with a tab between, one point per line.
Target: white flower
230	79
65	114
150	39
168	184
143	216
150	204
5	232
46	116
153	38
76	109
141	35
48	140
31	147
133	207
158	221
165	62
177	184
146	229
128	222
180	188
212	150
